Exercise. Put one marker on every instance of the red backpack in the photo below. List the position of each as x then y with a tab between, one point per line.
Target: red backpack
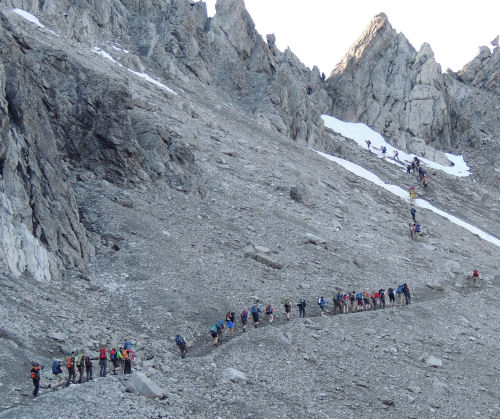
102	353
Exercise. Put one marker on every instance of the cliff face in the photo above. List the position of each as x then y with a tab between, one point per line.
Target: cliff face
396	90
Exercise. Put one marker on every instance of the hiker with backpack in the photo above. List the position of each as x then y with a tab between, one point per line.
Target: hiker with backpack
413	212
352	299
220	329
359	299
103	362
406	292
270	313
392	297
412	194
411	230
127	358
88	368
288	308
302	307
475	278
57	370
384	150
345	303
374	296
399	293
408	169
381	293
336	298
244	319
213	333
36	376
80	365
182	344
255	315
366	300
115	361
368	144
322	304
70	364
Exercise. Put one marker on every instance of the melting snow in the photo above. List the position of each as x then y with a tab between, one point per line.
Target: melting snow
360	133
31	18
144	76
398	191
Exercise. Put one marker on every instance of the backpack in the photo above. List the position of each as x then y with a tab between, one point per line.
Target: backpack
475	273
35	372
417	228
381	293
179	340
287	302
254	310
102	353
127	345
335	296
319	300
112	354
384	149
269	309
82	361
244	314
400	289
70	362
358	296
303	303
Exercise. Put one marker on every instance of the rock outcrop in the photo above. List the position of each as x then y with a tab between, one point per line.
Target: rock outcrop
398	91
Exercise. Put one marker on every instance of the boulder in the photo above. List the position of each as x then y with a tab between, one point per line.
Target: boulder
432	361
312	238
232	374
141	385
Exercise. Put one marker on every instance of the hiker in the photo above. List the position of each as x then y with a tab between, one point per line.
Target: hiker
384	150
475	278
255	315
230	327
213	333
103	361
127	357
399	293
412	193
413	212
35	376
288	308
323	77
244	319
392	298
80	365
220	328
345	302
366	300
336	298
182	344
406	292
412	231
408	168
322	305
88	368
420	173
374	296
368	144
113	357
417	161
270	312
381	293
56	370
352	298
424	182
70	364
120	357
309	89
396	155
127	345
302	307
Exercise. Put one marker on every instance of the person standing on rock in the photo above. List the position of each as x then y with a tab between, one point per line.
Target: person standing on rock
309	88
213	333
70	364
36	376
322	305
57	371
396	155
220	329
412	194
337	302
352	299
411	231
255	315
345	302
230	327
80	362
302	307
400	294
127	361
368	144
182	345
288	308
406	292
381	293
244	319
103	362
475	278
408	169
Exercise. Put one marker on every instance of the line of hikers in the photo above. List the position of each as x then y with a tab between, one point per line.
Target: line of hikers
121	359
344	302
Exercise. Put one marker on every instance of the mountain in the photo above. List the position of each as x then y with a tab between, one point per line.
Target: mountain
158	169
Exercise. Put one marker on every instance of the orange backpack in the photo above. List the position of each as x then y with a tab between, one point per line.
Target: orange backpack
34	372
125	354
69	363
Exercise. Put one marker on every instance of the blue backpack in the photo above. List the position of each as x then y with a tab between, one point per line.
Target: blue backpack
417	228
400	289
255	310
179	340
56	369
127	345
358	296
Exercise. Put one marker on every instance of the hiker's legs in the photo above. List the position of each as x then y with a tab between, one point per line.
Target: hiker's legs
36	383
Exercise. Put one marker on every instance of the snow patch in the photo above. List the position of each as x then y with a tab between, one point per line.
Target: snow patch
360	133
28	16
400	192
144	76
